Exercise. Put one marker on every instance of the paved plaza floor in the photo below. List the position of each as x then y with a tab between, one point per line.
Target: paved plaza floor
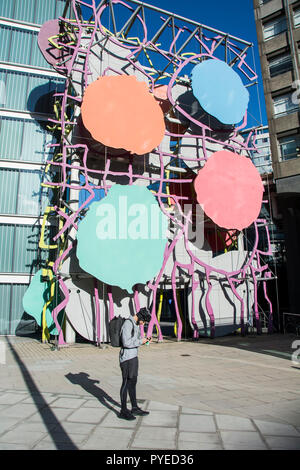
231	393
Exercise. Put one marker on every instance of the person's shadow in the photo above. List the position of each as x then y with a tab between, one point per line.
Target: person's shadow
88	384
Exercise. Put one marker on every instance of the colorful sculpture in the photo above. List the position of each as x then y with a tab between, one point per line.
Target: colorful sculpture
169	130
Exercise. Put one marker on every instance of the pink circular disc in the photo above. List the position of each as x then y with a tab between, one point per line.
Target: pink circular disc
51	53
229	189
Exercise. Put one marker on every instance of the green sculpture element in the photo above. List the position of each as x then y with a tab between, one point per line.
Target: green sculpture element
35	297
122	239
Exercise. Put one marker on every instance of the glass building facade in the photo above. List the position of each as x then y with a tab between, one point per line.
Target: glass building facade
27	85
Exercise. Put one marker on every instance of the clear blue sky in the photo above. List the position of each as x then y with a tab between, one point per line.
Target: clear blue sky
235	17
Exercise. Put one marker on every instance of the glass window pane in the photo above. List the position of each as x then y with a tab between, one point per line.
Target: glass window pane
7	8
30	92
20	322
11	131
6	247
35	142
280	64
5	299
45	12
37	57
288	147
25	258
25	10
283	104
5	35
21	192
297	17
274	27
8	190
20	46
16	89
31	197
40	93
25	140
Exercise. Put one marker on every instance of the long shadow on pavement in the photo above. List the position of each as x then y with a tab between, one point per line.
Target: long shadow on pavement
82	379
44	409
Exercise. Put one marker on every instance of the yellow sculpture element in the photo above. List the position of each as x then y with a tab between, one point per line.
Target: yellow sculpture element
47	273
57	112
161	298
180	311
42	243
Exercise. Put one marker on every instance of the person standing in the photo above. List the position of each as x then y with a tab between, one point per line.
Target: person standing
131	340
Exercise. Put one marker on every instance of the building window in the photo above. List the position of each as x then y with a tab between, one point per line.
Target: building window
263	2
21	192
274	27
288	147
280	64
28	54
29	92
31	11
297	17
283	105
25	140
19	248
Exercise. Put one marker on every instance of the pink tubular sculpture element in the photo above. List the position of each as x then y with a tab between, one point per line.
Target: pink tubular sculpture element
120	112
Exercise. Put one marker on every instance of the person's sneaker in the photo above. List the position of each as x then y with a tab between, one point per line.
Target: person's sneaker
126	415
139	412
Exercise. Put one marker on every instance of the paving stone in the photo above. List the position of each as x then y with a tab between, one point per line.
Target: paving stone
159	438
113	421
7	446
7	423
185	445
102	439
12	398
94	404
154	405
234	423
87	415
192	411
75	428
47	445
20	437
44	445
283	443
161	418
74	403
199	438
40	399
61	437
242	440
19	410
276	429
50	416
35	427
197	423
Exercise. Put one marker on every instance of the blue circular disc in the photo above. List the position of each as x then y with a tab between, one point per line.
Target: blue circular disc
220	91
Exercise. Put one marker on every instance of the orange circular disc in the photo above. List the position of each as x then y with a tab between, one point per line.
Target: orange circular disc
120	112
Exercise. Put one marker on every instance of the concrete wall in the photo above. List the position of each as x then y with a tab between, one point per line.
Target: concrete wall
286	173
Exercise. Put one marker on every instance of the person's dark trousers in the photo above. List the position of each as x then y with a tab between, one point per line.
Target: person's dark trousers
128	385
129	374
